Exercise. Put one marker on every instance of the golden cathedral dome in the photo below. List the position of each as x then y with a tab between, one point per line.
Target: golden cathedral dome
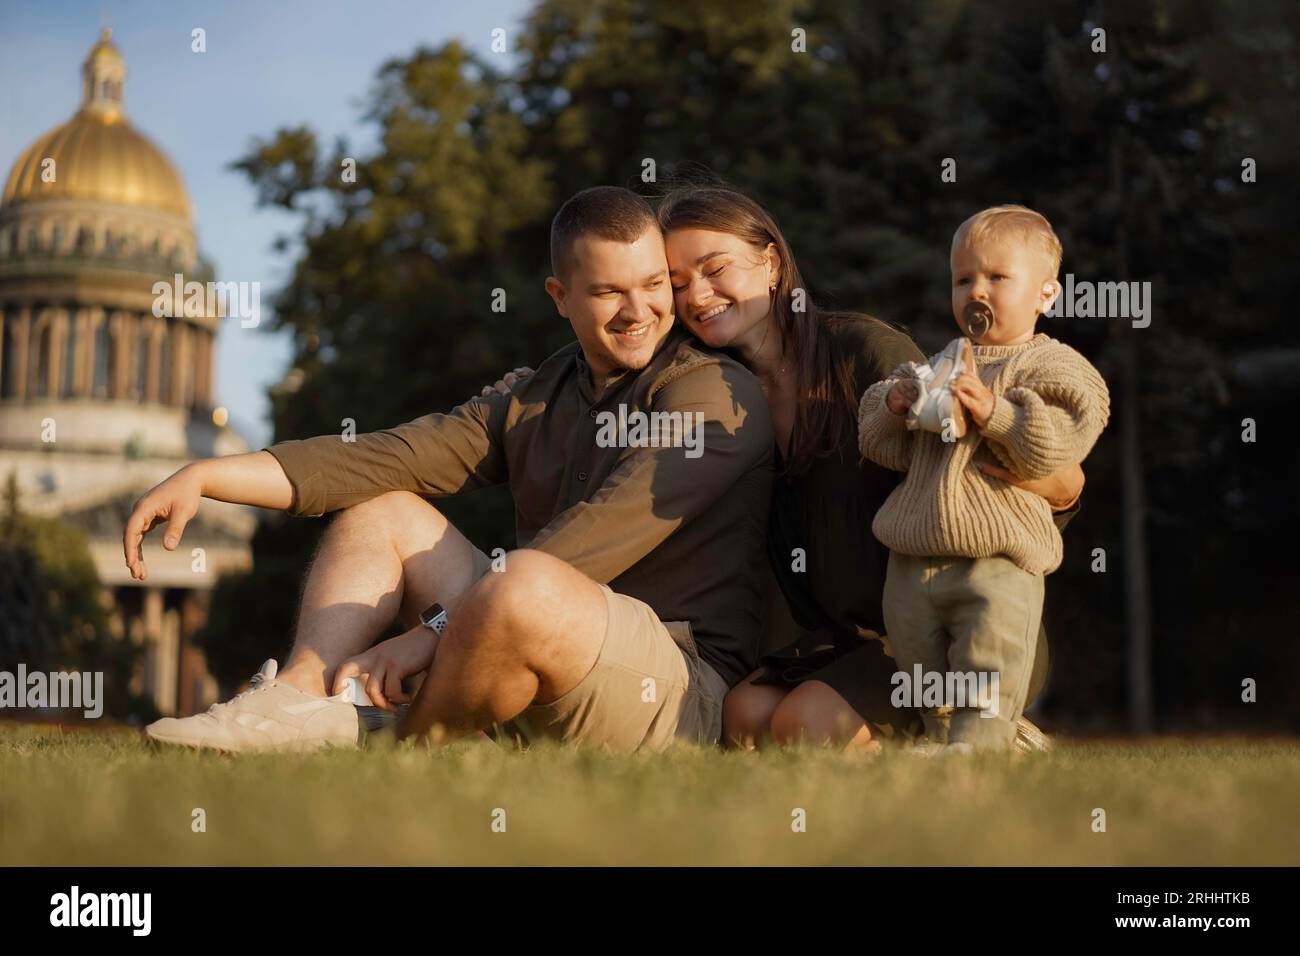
97	154
98	159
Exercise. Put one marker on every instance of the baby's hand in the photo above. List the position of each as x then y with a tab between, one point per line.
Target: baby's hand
902	395
974	396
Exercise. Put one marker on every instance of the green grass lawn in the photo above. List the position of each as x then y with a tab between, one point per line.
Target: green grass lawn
104	798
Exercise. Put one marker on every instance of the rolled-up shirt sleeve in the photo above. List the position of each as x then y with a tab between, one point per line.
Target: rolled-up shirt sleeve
435	455
653	491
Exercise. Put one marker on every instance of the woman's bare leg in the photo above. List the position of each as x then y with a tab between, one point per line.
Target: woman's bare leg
747	713
814	713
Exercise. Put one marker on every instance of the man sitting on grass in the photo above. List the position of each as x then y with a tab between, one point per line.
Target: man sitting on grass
631	606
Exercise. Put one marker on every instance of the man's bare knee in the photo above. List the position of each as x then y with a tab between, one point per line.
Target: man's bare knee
539	614
437	561
391	513
517	596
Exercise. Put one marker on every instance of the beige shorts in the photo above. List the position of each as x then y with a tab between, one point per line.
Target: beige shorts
648	688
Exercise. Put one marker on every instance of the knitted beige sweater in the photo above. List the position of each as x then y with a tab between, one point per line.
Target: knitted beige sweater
1050	405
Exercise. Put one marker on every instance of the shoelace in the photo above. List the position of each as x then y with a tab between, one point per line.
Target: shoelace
254	685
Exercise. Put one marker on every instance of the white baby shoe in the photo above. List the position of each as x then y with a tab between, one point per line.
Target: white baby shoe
936	407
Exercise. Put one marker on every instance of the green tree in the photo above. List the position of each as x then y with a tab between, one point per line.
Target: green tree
52	612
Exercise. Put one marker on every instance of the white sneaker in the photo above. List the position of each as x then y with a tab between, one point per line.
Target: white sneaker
936	408
270	715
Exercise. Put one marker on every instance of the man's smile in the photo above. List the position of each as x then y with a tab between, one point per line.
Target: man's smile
633	332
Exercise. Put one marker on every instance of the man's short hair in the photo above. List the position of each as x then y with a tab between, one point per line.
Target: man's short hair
608	212
1018	222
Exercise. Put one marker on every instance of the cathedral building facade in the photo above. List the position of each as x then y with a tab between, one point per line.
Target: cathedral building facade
101	396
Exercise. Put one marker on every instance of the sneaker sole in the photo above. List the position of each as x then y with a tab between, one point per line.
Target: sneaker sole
159	742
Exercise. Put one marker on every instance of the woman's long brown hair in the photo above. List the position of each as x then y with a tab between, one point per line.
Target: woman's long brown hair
825	413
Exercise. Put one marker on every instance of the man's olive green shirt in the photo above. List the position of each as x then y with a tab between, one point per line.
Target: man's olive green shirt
683	534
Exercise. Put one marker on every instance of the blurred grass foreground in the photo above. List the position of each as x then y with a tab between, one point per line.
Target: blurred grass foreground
77	798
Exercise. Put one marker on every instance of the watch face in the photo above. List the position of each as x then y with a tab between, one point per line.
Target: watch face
435	618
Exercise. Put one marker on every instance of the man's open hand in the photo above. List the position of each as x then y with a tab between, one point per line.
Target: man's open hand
175	501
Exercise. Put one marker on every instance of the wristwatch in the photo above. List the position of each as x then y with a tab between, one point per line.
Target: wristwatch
434	617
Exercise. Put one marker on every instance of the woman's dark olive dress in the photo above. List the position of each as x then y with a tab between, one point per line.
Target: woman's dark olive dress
835	596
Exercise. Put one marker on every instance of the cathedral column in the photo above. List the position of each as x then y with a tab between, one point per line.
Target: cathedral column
182	367
191	380
22	337
60	328
120	374
103	319
169	662
193	665
38	358
155	359
167	337
126	358
82	380
134	333
210	367
203	370
161	631
196	369
151	617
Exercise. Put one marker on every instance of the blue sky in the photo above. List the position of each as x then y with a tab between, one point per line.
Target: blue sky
268	64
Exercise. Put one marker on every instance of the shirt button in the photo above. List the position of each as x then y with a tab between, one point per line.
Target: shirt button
591	412
582	476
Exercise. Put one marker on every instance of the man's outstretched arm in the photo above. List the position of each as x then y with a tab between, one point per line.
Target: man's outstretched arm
252	479
434	455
